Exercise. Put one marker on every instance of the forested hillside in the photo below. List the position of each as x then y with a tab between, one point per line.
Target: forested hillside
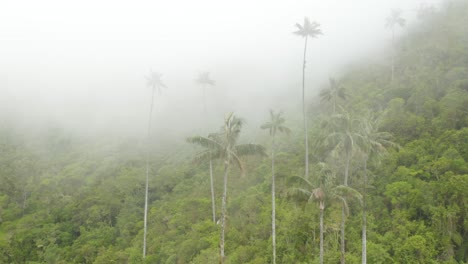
388	155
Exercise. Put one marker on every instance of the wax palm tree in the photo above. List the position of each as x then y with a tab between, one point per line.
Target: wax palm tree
225	145
343	131
373	143
204	80
313	193
342	139
334	92
393	20
211	151
323	191
154	81
274	125
308	29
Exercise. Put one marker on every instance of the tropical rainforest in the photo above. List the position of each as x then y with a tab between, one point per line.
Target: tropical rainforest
373	171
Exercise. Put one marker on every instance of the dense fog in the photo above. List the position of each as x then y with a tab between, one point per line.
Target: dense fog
82	65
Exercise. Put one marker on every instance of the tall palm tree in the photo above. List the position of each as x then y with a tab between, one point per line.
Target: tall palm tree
308	29
212	151
393	20
204	80
155	83
373	144
317	194
274	125
323	190
344	133
225	143
334	92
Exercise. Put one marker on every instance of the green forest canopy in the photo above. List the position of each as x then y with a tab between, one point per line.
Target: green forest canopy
68	200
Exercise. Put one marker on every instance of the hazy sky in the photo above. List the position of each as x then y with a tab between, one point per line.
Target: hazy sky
83	63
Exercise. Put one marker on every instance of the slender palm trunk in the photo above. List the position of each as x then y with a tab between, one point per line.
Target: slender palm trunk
223	217
212	192
343	215
304	114
346	175
364	219
393	52
343	261
204	98
25	198
145	220
322	208
334	103
273	203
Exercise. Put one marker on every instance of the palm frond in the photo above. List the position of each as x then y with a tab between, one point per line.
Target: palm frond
326	95
284	129
267	125
207	155
205	142
346	191
300	30
154	80
300	181
238	162
275	123
310	29
344	204
299	191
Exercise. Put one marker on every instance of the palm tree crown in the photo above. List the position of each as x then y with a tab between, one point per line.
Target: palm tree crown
276	124
333	93
227	139
308	29
154	81
395	19
204	78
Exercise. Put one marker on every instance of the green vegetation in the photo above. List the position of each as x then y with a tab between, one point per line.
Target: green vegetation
388	168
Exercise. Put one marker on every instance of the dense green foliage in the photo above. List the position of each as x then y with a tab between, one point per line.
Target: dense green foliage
70	200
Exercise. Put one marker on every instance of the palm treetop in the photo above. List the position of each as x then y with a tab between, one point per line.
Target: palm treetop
335	88
395	19
375	141
222	145
308	29
334	91
276	124
154	80
204	78
342	125
323	191
230	131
